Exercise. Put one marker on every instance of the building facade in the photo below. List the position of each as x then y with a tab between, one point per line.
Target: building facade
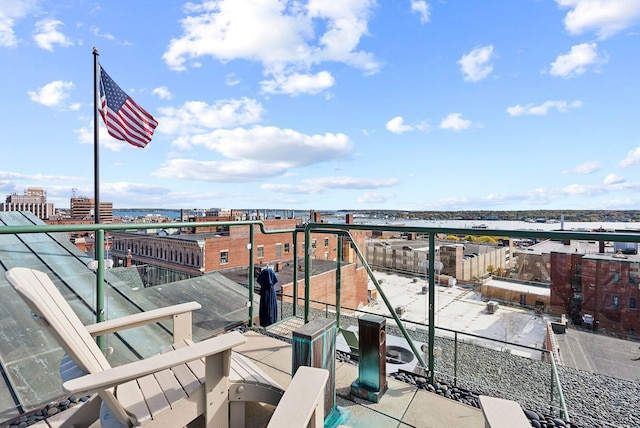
34	200
600	290
199	250
84	208
465	262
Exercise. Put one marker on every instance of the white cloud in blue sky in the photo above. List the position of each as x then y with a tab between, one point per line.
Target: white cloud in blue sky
477	64
328	104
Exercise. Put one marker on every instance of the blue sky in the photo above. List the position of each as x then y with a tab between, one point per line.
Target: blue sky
351	104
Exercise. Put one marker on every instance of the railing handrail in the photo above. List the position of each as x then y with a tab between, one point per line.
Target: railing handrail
341	230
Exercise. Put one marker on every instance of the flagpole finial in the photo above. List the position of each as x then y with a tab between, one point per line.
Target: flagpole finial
95	51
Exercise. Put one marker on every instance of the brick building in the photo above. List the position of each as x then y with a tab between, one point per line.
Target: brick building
601	290
172	254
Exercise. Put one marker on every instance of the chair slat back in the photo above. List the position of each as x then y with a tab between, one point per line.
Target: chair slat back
46	301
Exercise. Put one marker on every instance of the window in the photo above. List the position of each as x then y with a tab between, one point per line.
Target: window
633	278
313	243
287	248
616	301
278	250
632	303
224	257
326	242
616	277
260	251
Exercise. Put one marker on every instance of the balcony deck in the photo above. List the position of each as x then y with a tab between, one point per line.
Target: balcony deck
403	405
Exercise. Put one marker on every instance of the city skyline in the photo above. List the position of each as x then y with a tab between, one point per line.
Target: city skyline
409	105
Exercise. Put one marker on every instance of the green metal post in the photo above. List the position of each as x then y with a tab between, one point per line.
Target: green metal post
432	286
551	389
99	253
455	358
307	274
251	275
295	273
338	280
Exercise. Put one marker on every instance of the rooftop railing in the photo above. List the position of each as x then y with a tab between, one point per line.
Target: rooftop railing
448	352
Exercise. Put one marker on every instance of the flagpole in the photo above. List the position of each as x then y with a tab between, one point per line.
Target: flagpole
96	140
99	234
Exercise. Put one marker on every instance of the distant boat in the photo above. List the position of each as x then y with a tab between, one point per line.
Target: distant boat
479	226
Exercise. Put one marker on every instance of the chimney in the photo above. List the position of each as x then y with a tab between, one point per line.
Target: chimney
316	217
128	258
349	219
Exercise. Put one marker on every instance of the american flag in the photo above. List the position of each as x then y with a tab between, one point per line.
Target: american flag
123	117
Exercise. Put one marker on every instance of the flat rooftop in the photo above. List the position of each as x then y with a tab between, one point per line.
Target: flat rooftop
462	309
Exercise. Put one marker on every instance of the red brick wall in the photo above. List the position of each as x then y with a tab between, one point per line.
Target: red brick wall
238	254
562	269
353	289
602	279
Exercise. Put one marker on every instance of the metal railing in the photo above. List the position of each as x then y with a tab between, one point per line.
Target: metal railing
342	231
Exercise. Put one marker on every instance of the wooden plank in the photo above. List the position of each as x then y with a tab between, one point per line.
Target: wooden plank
153	395
250	372
170	386
502	413
142	318
114	376
303	401
131	399
188	381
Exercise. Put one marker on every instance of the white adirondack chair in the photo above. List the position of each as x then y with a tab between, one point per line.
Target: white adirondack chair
171	389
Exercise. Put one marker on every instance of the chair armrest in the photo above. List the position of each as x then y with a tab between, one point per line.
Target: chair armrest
115	376
303	401
143	318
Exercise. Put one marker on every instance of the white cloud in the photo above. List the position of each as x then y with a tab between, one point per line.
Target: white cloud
606	17
198	116
292	189
539	196
542	109
162	92
10	12
633	158
131	191
236	171
319	185
280	36
397	126
271	145
455	122
374	198
298	83
232	80
52	94
476	65
421	7
255	154
108	36
577	61
613	179
85	136
354	183
6	175
47	34
584	168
